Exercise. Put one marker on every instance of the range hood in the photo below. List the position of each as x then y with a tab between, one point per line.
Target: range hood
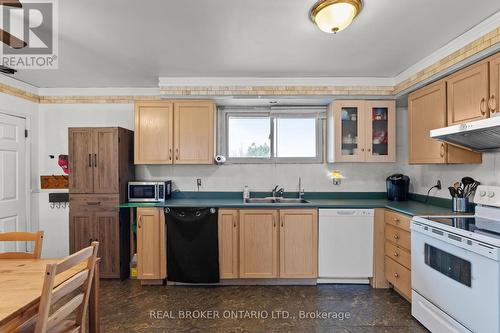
479	135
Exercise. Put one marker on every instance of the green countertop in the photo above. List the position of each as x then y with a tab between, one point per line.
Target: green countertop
358	200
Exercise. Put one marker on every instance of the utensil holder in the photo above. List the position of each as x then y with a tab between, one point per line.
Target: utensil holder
460	205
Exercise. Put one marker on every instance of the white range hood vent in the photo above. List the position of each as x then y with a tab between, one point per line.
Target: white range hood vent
480	135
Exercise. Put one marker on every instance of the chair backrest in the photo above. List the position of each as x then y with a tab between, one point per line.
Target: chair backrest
51	295
36	237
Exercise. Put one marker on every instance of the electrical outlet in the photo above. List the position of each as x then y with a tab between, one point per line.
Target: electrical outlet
198	182
438	185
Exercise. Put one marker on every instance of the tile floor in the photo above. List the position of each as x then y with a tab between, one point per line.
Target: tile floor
128	307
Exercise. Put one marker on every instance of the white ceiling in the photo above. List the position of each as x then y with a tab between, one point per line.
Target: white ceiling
130	43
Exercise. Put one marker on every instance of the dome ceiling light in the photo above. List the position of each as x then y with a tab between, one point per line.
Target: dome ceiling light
332	16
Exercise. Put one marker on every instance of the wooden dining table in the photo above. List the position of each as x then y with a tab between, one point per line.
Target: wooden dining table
21	282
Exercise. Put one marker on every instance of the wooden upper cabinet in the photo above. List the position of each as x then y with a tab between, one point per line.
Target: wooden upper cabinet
362	131
494	98
426	111
80	160
298	243
228	243
468	92
194	132
153	137
380	125
105	160
258	243
151	244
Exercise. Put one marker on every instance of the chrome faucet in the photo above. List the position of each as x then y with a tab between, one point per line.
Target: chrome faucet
275	192
301	190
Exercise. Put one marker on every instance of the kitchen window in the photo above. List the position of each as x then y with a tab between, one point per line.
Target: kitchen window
271	135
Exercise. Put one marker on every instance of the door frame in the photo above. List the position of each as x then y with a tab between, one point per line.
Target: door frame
27	120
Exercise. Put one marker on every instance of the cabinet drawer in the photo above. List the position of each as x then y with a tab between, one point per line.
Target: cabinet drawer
398	254
398	236
398	220
94	202
399	276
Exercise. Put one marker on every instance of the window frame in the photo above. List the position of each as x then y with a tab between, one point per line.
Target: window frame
283	112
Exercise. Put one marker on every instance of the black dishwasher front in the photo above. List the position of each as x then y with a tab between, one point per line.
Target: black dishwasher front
192	245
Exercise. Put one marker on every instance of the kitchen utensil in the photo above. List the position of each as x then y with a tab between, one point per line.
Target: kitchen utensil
466	183
453	191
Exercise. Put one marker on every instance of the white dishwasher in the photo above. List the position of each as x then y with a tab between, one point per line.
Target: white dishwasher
345	245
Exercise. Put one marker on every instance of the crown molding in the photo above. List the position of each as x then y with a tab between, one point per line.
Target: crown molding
18	84
274	81
476	32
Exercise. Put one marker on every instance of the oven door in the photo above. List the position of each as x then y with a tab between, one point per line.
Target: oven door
459	282
142	192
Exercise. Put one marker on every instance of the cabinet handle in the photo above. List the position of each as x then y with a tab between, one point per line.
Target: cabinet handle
93	203
482	106
170	154
369	150
492	103
274	222
282	223
396	236
90	241
139	222
95	160
90	160
396	275
177	154
396	254
441	152
396	220
362	149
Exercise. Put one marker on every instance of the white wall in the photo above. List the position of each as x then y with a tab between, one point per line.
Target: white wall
54	122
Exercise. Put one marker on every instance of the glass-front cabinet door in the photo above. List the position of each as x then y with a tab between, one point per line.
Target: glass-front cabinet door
380	131
349	131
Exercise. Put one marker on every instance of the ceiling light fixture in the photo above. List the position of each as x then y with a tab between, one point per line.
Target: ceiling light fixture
332	16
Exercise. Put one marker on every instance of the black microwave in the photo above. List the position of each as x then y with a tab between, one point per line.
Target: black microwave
149	191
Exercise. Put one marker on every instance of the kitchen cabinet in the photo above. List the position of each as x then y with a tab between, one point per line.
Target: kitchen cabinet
298	243
427	111
194	132
467	94
100	163
493	101
153	137
362	131
151	245
97	218
398	252
174	132
258	243
228	243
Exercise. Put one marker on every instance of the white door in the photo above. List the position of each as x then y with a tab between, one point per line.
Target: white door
12	178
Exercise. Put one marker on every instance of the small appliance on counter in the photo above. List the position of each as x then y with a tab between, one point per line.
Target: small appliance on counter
398	186
149	191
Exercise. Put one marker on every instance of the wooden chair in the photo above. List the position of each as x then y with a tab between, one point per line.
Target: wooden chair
57	322
36	237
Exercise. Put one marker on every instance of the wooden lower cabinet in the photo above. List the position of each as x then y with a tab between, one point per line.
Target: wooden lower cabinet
151	244
98	218
272	243
397	249
298	243
258	243
228	243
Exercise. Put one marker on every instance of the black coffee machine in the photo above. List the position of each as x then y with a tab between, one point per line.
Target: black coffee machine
398	186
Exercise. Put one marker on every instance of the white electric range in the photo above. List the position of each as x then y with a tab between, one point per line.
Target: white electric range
456	268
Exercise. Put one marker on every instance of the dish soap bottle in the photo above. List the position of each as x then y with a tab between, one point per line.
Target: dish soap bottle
133	267
246	193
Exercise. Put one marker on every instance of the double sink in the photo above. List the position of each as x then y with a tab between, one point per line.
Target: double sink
276	200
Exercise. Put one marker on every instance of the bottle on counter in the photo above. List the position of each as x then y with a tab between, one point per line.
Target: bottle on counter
246	193
133	267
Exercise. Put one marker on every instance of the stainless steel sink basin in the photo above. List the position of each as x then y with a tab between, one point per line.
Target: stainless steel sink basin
276	200
260	200
291	200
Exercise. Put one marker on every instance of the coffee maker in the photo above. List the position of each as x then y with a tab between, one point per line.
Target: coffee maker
398	186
